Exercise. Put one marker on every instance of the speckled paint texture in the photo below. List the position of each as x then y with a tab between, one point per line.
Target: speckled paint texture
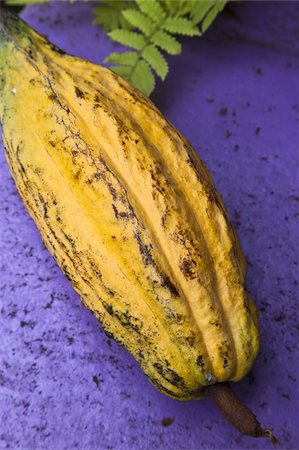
63	384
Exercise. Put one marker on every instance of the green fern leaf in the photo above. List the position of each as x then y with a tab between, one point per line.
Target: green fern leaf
152	8
166	42
105	19
180	25
128	38
142	78
126	58
186	7
218	6
109	15
180	8
138	20
123	71
200	9
155	58
171	7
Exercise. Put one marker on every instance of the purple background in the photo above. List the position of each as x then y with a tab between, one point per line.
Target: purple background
235	95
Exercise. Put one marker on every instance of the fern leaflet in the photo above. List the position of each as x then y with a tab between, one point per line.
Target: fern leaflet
199	10
109	15
126	58
123	71
128	38
152	8
155	58
166	42
142	77
218	6
180	25
138	20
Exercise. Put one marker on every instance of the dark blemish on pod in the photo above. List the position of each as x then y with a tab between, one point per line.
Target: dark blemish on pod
79	93
122	214
257	130
191	339
112	190
200	361
70	240
163	389
215	323
224	354
174	316
147	257
30	53
169	375
169	285
44	205
187	267
127	321
69	275
158	367
140	354
18	158
176	379
108	308
77	174
95	176
57	49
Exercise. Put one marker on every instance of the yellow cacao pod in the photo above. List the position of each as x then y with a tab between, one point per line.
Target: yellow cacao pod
130	214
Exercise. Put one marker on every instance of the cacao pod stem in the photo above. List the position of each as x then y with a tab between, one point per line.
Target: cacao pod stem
238	414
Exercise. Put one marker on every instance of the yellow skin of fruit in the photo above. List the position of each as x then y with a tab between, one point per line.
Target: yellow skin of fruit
130	214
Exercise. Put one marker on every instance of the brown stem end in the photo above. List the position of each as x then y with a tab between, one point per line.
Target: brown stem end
237	413
267	433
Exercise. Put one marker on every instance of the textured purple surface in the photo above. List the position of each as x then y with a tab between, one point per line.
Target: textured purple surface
64	384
